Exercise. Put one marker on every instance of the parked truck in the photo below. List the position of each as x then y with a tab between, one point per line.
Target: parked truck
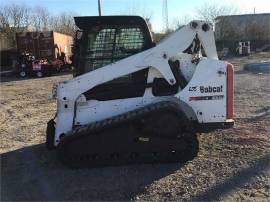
42	53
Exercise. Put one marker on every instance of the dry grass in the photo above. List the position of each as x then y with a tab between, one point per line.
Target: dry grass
232	165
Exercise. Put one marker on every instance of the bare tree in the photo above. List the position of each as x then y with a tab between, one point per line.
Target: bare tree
138	9
4	18
19	16
209	12
63	23
180	22
7	39
14	18
40	18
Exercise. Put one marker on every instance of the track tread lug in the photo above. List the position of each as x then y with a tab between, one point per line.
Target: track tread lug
83	158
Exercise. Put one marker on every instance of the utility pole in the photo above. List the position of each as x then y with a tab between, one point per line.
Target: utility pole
99	8
165	16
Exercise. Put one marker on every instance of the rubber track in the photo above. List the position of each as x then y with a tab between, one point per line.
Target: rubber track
93	130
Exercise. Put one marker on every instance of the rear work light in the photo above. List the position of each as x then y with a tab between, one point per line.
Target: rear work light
229	104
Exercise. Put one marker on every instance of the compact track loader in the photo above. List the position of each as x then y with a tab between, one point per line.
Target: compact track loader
134	101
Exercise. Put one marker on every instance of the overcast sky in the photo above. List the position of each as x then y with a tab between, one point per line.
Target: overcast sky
177	8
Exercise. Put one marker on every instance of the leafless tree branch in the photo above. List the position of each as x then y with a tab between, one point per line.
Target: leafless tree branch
209	11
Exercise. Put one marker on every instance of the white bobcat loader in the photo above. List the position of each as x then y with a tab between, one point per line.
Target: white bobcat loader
133	101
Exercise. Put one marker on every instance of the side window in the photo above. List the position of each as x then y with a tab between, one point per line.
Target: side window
112	44
128	41
100	47
109	45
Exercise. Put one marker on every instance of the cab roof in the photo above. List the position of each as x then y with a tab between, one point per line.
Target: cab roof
87	22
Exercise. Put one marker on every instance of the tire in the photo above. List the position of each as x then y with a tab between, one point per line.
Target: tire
39	74
23	74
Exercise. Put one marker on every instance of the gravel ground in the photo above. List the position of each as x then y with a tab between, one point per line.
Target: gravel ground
232	165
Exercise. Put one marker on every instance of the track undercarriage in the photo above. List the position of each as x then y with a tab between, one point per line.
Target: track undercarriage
158	132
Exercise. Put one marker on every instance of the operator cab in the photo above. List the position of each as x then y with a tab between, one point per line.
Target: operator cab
102	40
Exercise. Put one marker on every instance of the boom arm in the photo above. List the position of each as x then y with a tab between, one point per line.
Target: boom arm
156	57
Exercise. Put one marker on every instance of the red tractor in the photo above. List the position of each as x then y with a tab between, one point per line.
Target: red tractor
29	66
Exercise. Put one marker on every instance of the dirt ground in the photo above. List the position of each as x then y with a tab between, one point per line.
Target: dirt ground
232	165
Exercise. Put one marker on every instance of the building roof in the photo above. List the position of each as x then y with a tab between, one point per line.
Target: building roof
242	15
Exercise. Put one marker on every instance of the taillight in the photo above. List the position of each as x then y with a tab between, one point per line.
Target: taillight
229	91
